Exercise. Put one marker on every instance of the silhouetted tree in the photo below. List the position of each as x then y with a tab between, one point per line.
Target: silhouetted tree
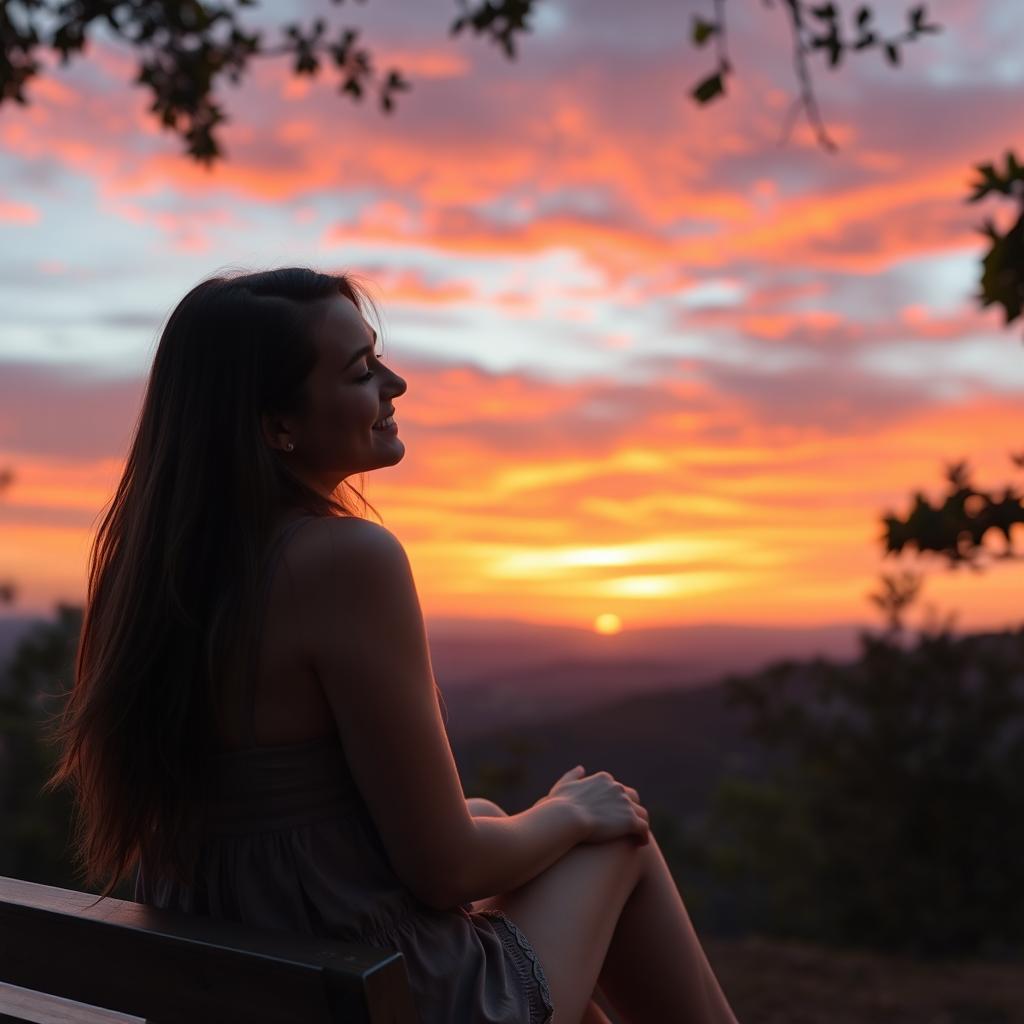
900	797
956	529
898	593
894	817
1002	279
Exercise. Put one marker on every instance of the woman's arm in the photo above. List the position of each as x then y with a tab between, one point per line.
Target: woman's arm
359	617
507	851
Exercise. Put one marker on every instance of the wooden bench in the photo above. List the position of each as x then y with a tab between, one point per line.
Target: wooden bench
62	960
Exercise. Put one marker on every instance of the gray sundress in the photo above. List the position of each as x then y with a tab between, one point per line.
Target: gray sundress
290	844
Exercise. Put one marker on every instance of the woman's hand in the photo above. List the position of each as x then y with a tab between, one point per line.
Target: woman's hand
608	808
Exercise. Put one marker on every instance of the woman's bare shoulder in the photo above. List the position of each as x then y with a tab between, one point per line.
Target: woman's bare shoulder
327	533
327	547
344	575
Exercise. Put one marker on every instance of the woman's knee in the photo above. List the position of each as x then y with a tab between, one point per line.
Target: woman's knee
569	913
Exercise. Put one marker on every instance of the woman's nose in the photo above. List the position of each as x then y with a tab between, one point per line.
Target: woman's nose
400	385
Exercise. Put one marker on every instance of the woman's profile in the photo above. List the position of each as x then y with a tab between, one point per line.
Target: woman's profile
255	733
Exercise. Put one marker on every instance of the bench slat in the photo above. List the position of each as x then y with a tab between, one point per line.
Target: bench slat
175	968
23	1005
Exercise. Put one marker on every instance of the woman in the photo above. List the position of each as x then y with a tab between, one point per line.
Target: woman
255	728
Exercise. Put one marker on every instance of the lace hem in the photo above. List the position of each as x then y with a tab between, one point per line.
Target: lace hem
528	950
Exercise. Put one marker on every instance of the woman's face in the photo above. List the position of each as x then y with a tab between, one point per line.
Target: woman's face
349	390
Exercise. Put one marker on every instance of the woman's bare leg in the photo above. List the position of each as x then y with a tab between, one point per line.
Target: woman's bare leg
480	807
611	911
656	969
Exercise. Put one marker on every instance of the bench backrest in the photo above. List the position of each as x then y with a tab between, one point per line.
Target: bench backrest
167	967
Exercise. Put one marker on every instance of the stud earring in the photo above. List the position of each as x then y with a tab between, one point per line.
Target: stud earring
289	447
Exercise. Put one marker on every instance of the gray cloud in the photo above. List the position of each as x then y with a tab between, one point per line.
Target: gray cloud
66	411
837	397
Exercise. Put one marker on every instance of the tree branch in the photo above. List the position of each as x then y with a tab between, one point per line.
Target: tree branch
806	99
801	16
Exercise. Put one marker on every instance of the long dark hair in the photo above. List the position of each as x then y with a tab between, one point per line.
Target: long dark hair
170	619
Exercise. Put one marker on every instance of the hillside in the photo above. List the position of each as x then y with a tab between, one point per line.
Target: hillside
671	746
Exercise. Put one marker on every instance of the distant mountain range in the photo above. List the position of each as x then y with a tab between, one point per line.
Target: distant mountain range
672	747
498	673
466	650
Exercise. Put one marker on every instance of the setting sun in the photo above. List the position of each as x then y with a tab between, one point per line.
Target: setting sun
607	623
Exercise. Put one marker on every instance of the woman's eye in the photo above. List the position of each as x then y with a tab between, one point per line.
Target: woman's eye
365	377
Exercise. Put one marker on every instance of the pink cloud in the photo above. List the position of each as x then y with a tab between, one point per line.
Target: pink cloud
19	213
680	186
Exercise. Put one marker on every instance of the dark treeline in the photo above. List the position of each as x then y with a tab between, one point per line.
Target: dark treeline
894	817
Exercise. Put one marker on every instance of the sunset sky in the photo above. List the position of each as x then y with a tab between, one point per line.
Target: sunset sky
660	367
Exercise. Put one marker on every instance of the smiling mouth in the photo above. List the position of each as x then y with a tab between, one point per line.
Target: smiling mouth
386	426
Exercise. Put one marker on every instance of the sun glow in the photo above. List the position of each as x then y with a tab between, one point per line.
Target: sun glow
607	623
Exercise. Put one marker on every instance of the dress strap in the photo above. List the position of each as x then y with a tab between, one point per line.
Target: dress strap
274	551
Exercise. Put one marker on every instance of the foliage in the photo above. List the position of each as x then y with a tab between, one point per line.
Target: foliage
1002	279
184	50
499	19
813	27
817	27
895	818
957	528
898	593
35	827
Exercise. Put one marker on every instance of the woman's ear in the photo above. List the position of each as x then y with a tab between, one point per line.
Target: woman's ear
276	432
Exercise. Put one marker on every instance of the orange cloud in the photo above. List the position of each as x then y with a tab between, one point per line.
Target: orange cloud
673	501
